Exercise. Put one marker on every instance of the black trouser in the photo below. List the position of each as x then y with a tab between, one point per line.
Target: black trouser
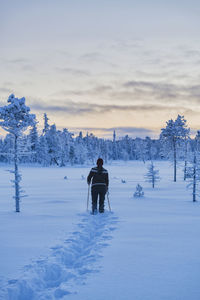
98	190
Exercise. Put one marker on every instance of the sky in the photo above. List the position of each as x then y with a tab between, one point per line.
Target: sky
102	65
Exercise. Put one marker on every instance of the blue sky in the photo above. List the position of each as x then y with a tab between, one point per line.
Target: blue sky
100	65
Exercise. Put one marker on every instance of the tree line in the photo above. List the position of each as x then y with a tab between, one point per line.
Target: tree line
61	147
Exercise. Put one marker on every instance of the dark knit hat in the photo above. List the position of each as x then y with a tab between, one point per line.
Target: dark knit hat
99	162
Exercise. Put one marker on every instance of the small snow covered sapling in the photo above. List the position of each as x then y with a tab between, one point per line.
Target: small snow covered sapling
152	175
15	118
139	191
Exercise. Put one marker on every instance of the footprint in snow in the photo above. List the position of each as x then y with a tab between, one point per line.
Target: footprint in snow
68	265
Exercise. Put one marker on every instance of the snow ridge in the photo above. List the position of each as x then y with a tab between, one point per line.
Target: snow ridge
68	265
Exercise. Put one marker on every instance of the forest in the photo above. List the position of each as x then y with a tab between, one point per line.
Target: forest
62	147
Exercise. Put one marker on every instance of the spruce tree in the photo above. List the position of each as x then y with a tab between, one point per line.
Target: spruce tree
171	135
193	169
152	175
46	124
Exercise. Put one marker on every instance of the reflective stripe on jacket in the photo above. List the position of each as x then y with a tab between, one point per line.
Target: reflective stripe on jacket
99	176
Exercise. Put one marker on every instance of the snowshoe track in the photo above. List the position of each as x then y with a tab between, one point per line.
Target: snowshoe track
68	265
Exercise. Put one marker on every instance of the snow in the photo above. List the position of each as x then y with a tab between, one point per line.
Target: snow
146	249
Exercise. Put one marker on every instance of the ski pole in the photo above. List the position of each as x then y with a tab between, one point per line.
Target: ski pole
88	196
108	201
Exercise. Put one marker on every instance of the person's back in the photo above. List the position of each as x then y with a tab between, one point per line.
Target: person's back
100	181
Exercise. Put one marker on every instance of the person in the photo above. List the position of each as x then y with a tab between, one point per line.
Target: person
100	181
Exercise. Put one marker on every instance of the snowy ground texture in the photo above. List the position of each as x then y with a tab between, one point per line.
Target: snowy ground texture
146	249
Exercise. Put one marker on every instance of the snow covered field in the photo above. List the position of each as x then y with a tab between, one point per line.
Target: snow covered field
146	249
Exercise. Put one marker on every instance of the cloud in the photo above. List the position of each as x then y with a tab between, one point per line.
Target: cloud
130	90
121	45
18	61
192	53
185	94
68	108
21	62
92	56
97	90
96	57
134	91
84	108
194	92
120	131
160	89
5	90
133	130
74	72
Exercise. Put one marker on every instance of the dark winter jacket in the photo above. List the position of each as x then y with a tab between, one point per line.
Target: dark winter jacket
99	176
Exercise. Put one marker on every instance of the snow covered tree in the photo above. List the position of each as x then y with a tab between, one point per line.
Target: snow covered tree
72	154
152	175
53	144
114	150
43	151
15	118
24	149
1	150
151	148
81	150
193	174
141	150
46	124
34	143
66	140
197	141
103	150
7	150
92	148
186	152
171	136
193	170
